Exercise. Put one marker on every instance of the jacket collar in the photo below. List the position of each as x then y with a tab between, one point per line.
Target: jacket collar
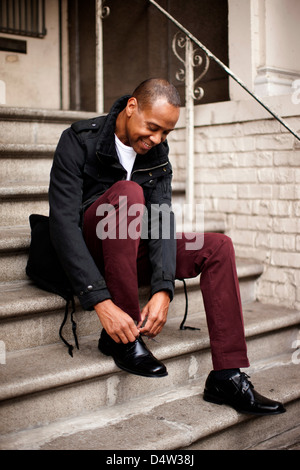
106	142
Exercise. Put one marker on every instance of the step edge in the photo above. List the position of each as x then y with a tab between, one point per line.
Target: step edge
19	190
7	239
44	115
18	150
13	388
52	300
33	438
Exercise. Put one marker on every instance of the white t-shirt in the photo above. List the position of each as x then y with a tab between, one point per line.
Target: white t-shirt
126	156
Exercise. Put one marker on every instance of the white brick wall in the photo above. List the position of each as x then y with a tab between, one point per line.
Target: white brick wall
248	174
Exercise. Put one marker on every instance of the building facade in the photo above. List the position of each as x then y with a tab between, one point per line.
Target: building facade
60	55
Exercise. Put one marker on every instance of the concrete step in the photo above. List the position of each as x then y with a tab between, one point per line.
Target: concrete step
19	199
288	439
31	317
33	162
46	389
15	237
49	400
36	126
177	419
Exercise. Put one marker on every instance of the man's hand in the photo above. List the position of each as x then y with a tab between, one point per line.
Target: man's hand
155	313
117	323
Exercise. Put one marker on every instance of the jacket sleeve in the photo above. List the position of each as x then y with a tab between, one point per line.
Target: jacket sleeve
65	199
162	236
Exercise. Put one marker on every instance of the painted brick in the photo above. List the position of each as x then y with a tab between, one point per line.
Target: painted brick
281	258
249	173
297	208
286	225
297	175
254	222
285	291
261	207
255	191
287	158
298	243
276	142
276	275
282	242
288	191
231	144
238	206
261	127
281	208
216	190
243	237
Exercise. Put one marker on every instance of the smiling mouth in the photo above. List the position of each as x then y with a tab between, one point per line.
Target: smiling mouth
146	145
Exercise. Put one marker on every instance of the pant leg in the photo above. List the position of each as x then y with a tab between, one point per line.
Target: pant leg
117	258
221	295
116	254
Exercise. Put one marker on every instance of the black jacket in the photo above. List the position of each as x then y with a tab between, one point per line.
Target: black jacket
85	165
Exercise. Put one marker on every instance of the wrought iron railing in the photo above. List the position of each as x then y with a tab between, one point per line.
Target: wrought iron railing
210	55
191	59
23	17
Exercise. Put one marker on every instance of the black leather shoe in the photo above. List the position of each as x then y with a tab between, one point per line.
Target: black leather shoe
132	357
238	392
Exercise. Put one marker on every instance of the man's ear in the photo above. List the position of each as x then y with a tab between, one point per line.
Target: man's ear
132	106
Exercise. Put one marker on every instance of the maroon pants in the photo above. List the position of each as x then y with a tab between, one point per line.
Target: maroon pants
123	261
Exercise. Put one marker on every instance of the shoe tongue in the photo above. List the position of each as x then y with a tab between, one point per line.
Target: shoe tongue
242	382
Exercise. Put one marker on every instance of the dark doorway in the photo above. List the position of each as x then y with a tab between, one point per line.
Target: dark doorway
82	53
137	44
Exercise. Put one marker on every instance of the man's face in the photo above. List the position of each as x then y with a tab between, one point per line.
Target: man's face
149	126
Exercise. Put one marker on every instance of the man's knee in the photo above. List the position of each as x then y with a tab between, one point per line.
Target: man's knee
132	191
226	245
218	241
223	239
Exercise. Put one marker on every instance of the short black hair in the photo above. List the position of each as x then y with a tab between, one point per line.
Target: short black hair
153	88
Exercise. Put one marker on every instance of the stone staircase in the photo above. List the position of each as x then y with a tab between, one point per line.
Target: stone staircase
52	401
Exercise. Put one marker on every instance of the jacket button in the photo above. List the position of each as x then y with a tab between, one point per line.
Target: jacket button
81	293
150	174
89	287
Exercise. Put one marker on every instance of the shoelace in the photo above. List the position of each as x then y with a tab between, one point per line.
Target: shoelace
244	383
69	346
150	339
182	325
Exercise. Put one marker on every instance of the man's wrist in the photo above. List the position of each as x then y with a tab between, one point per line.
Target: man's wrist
163	292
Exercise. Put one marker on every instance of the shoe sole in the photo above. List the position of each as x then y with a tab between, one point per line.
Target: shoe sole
153	376
106	353
218	401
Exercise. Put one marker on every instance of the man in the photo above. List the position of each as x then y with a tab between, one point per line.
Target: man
103	170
